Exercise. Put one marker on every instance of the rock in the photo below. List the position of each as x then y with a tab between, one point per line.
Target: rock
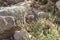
58	4
16	11
23	35
20	35
7	26
8	15
19	12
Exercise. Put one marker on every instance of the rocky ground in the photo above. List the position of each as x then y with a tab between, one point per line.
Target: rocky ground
30	20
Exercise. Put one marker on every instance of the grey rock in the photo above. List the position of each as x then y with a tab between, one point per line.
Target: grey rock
8	15
7	26
58	4
16	11
23	35
19	12
20	35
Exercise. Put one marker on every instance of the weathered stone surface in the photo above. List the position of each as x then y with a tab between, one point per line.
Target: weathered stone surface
7	26
20	35
16	11
19	12
8	15
23	35
58	4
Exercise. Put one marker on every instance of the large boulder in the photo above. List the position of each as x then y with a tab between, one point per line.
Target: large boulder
18	11
8	15
7	26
